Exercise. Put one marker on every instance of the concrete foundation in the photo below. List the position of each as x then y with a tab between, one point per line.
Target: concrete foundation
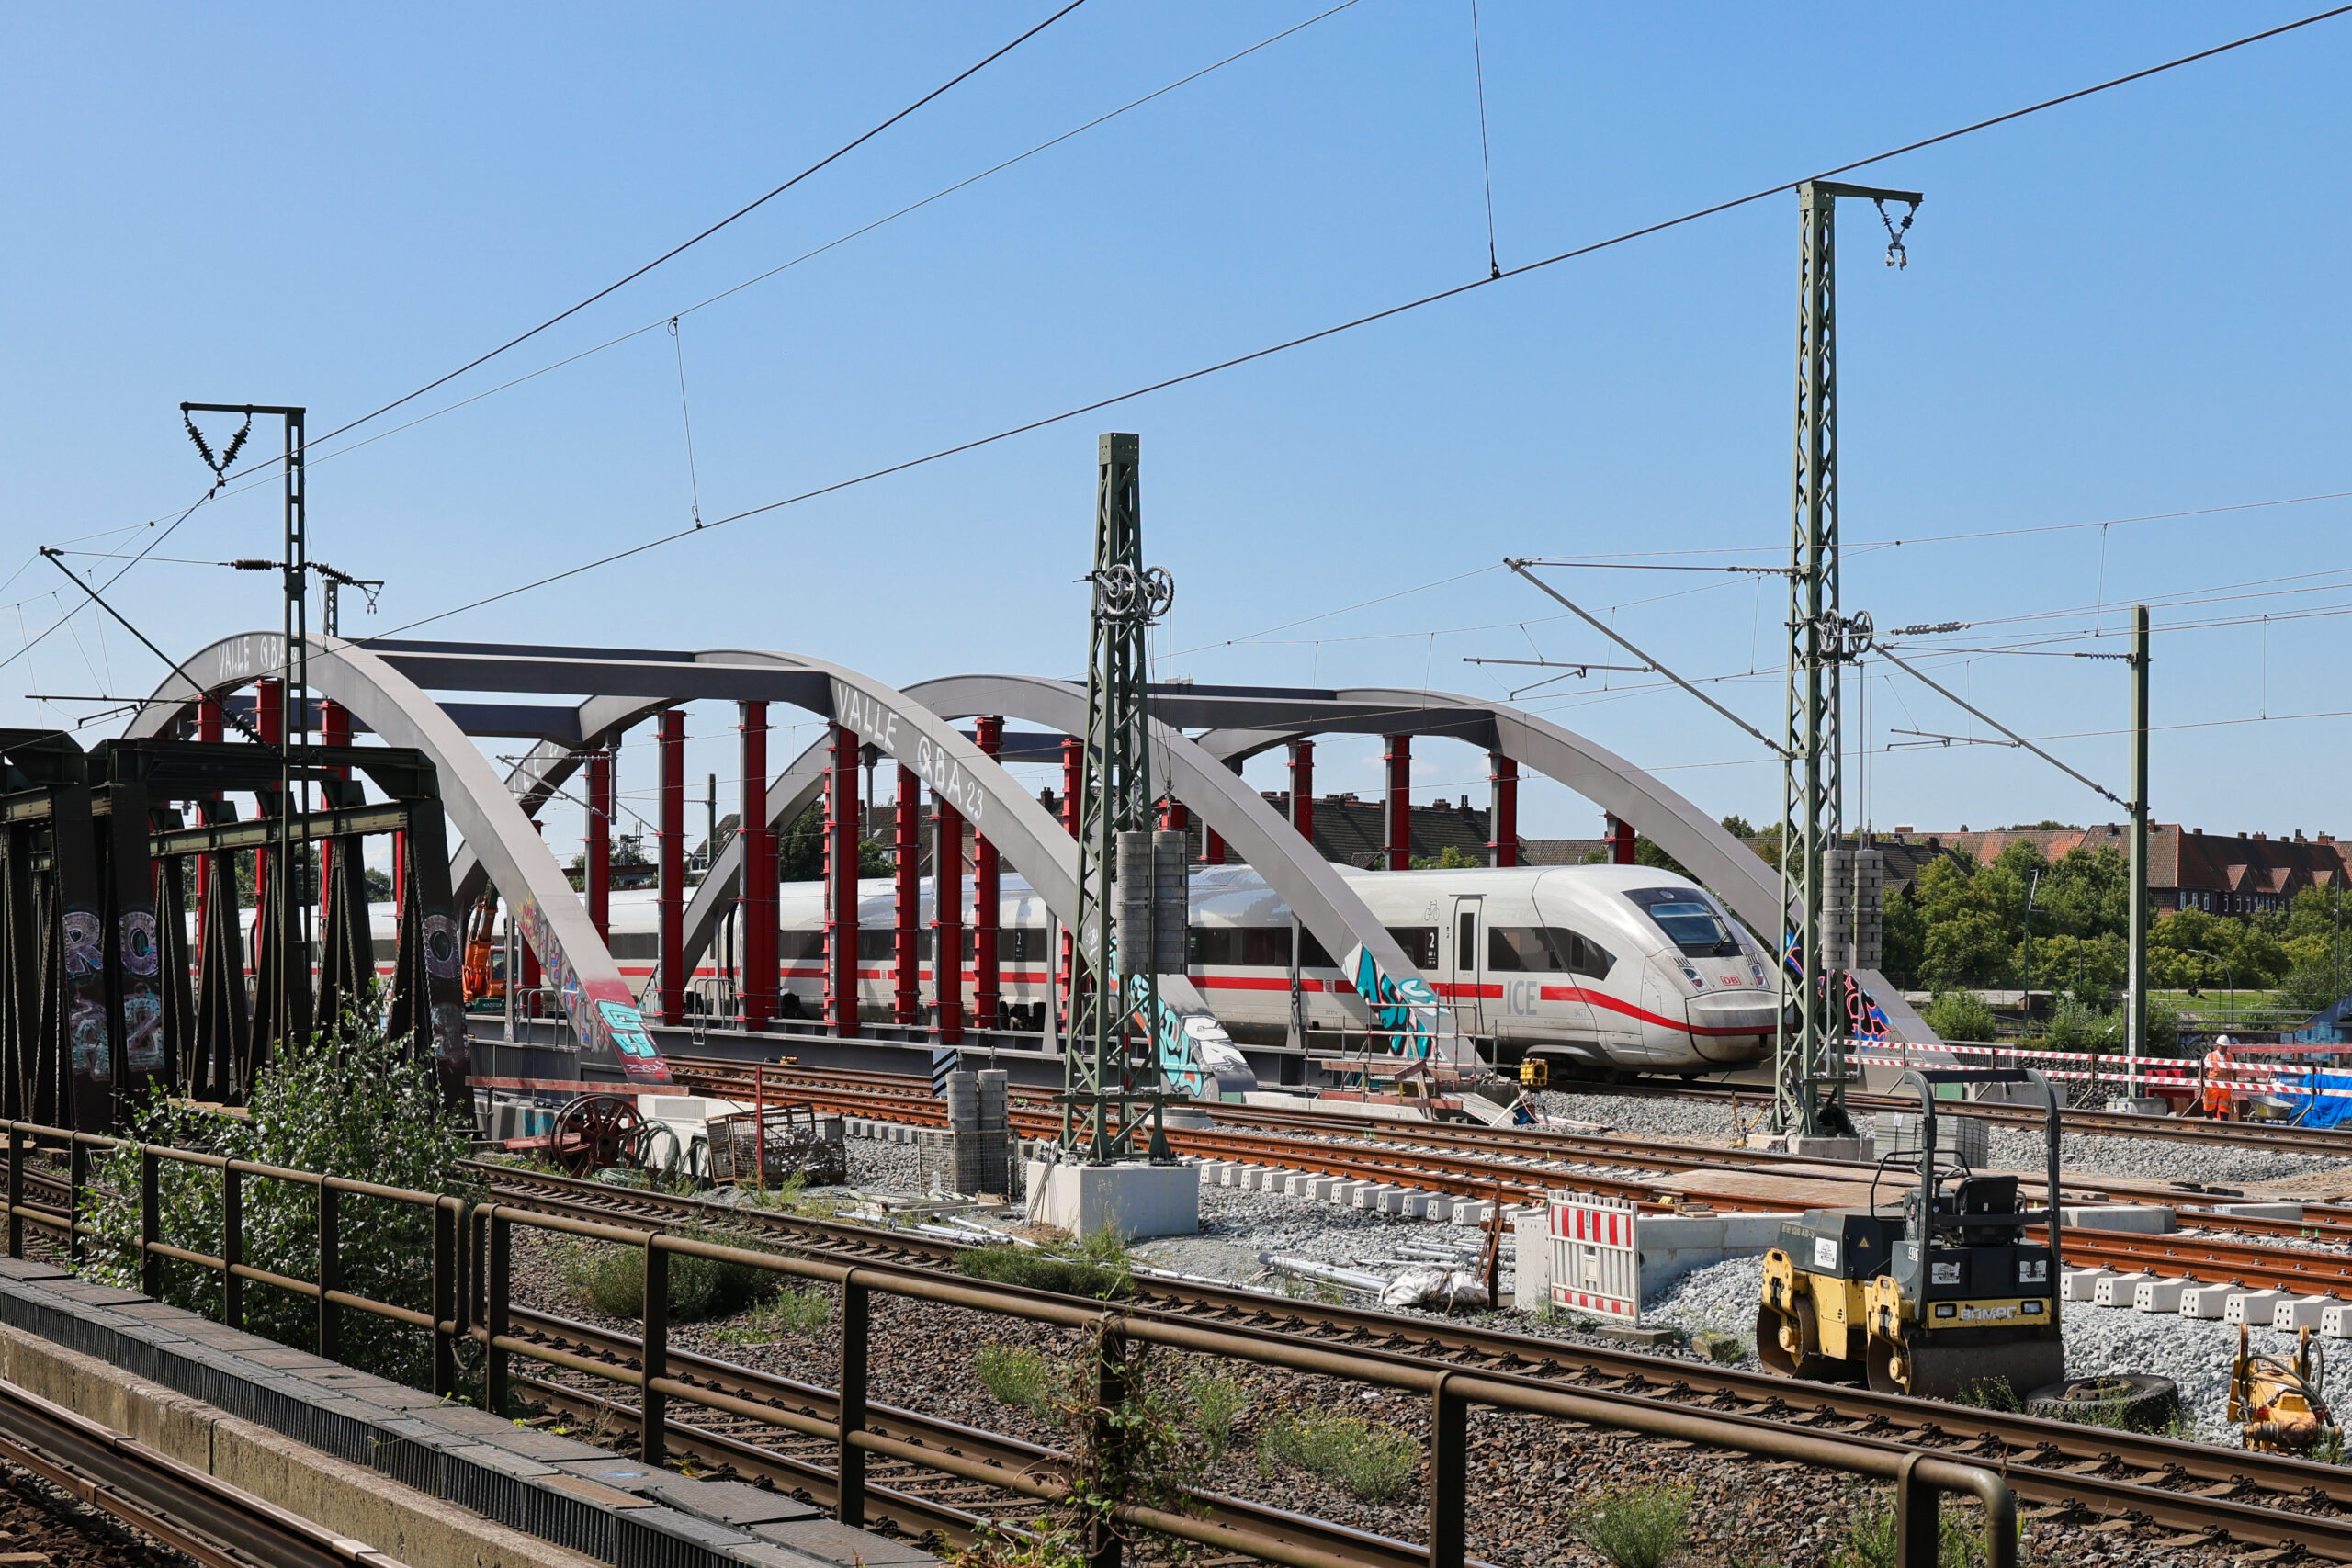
2140	1219
1131	1198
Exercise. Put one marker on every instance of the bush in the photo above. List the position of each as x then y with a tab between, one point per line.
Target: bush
1871	1542
2309	987
1099	1267
1022	1378
1957	1015
1218	1405
1370	1459
347	1102
1637	1527
610	1278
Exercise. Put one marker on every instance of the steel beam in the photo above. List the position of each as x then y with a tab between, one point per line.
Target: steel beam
671	737
906	844
1400	759
757	899
1302	789
597	877
1502	811
841	884
987	899
947	918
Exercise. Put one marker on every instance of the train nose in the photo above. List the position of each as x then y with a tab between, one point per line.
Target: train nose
1732	1026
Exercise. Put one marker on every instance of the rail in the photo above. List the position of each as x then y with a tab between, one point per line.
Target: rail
472	1302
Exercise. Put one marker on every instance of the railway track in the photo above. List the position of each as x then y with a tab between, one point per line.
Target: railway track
197	1514
2194	1490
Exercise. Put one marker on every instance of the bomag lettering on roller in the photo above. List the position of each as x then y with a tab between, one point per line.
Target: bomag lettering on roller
1935	1295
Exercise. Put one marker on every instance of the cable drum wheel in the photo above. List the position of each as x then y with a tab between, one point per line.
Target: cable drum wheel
594	1132
2138	1400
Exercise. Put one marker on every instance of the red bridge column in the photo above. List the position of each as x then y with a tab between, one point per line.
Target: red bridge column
1502	817
672	736
269	719
1400	802
906	839
987	994
1302	788
208	727
597	881
1621	840
755	903
947	918
841	884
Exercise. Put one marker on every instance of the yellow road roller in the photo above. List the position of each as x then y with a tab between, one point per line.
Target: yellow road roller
1936	1294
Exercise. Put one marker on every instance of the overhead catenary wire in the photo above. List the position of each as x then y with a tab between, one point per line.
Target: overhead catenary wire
1386	313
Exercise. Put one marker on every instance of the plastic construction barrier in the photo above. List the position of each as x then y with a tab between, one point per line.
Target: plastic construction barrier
1596	1266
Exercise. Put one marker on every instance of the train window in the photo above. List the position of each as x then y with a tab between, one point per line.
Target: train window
796	946
635	944
1515	949
1689	921
1581	954
1419	943
1021	944
1241	947
880	945
1311	955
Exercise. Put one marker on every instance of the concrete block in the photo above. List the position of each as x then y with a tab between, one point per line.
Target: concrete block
2260	1210
1369	1194
1344	1194
1302	1183
2252	1306
2335	1322
2140	1219
2299	1311
2207	1302
2159	1295
1212	1171
2121	1290
2082	1284
1403	1201
1473	1211
1131	1198
1322	1187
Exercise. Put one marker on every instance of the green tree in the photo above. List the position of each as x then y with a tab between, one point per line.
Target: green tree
800	850
1956	1015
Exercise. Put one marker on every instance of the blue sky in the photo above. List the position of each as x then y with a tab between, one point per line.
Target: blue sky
2126	307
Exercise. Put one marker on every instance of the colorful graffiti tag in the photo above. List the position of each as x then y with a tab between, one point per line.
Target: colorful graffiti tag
85	963
142	1002
603	1012
1405	1009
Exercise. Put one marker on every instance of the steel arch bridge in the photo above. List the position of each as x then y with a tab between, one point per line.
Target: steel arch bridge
1205	733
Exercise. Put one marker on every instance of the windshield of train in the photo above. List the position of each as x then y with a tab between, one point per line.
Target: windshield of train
1688	920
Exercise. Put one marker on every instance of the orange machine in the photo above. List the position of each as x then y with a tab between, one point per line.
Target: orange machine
484	981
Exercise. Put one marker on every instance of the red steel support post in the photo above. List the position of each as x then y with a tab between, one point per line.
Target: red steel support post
841	884
597	881
906	839
1502	815
1302	788
1400	802
672	738
335	729
947	918
987	993
1621	841
756	898
269	719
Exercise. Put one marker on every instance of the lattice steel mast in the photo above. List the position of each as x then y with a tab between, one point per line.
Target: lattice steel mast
1116	796
1810	1076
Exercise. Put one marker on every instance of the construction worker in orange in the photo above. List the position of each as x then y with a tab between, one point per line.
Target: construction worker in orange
2218	1093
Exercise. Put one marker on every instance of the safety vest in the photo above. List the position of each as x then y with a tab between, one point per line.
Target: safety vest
2217	1092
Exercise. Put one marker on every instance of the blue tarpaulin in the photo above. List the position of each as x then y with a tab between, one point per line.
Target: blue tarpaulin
2311	1109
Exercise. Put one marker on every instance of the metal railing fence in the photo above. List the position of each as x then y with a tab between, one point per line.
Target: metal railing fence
471	1295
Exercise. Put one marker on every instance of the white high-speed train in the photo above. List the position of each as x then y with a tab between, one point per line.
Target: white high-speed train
1589	968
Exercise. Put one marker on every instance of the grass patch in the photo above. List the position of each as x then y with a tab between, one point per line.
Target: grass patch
785	1312
1023	1379
1370	1459
1098	1266
610	1278
1637	1527
1722	1349
1871	1542
1218	1405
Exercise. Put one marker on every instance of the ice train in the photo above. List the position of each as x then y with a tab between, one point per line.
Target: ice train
1591	968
